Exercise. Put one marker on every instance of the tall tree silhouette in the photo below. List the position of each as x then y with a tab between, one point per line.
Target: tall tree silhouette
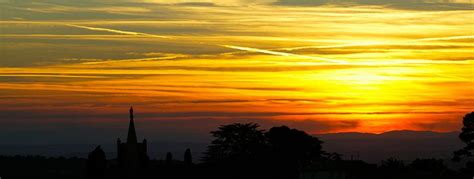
291	150
188	159
235	142
295	144
467	136
96	164
236	152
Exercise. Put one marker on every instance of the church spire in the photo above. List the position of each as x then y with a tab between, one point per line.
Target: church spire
132	135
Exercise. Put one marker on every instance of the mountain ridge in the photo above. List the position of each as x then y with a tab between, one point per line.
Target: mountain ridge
388	132
401	144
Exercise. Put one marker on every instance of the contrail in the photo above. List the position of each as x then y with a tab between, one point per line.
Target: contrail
226	46
273	52
118	31
334	46
380	43
372	63
282	53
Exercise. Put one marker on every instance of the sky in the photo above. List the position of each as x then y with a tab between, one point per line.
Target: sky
69	70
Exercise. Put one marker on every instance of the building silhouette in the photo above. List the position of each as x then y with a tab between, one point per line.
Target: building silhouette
132	156
96	164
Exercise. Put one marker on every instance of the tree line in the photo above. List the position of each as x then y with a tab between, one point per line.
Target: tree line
245	151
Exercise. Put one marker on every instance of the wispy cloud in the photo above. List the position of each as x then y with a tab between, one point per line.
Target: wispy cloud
49	75
465	37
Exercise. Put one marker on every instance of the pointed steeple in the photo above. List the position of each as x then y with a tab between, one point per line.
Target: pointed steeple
132	135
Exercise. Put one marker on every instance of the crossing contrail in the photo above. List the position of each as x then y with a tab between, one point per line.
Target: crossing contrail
278	53
118	31
226	46
283	54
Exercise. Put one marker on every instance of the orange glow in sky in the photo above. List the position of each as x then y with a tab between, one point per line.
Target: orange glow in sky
365	68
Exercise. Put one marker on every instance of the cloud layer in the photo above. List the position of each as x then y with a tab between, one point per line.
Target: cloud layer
187	67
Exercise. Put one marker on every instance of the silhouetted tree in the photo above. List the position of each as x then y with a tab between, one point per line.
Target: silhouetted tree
392	168
169	158
295	144
235	142
237	152
466	136
188	159
96	164
430	165
392	164
292	149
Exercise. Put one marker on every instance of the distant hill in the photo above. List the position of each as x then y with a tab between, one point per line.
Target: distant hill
405	145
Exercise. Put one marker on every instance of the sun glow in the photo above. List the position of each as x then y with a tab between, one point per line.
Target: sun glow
366	69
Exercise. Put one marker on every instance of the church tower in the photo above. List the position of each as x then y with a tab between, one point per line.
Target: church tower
132	135
132	156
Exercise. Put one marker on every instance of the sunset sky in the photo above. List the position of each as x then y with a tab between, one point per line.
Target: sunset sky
71	69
